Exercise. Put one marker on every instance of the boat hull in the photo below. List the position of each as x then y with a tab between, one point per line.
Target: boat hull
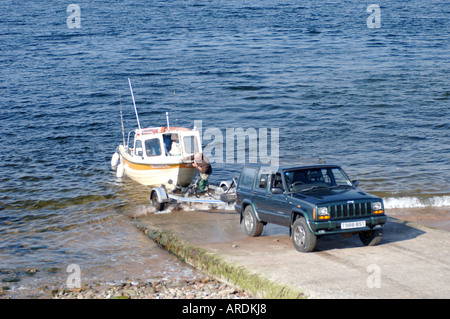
157	174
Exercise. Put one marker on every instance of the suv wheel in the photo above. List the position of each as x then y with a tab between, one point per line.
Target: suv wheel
371	237
304	240
252	226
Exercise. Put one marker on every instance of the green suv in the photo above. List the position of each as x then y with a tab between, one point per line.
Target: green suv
312	200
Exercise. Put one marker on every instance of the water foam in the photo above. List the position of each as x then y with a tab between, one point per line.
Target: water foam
416	202
193	207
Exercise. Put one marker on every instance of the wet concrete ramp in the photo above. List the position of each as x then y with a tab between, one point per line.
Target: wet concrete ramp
412	261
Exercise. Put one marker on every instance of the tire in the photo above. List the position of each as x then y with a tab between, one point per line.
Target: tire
303	239
156	203
252	226
371	237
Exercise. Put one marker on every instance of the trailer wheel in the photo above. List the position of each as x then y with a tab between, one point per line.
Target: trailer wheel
159	206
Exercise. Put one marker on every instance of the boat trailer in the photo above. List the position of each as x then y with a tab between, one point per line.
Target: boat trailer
161	197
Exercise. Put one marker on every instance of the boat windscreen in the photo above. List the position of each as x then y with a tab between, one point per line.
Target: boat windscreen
153	147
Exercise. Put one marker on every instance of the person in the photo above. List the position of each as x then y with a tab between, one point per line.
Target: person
175	148
201	162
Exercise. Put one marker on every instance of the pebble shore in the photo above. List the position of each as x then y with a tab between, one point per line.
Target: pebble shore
205	288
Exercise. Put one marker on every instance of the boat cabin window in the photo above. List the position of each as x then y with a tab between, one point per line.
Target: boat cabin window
172	144
138	148
190	144
167	140
153	147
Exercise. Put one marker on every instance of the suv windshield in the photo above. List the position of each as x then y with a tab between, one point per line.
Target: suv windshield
300	180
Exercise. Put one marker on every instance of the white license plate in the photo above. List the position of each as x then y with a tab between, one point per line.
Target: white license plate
357	224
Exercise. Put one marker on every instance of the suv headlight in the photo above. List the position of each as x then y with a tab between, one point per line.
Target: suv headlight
377	208
322	212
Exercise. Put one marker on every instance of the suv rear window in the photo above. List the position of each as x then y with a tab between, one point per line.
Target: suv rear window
247	177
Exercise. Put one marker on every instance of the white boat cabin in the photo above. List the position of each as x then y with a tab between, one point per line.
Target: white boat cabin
162	145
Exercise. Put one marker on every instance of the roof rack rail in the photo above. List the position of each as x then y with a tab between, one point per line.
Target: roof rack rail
309	159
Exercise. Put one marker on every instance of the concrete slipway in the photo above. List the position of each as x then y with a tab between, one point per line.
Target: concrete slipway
413	261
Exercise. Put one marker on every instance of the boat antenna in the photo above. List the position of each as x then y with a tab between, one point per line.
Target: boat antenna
121	119
134	103
167	119
175	108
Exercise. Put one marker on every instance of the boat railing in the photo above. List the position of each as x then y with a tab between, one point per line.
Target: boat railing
126	148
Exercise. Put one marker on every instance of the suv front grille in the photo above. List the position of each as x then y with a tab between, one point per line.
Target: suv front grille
350	210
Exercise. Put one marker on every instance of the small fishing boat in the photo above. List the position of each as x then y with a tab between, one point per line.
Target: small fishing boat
157	156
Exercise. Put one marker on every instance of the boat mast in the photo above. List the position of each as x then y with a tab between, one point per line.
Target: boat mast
134	103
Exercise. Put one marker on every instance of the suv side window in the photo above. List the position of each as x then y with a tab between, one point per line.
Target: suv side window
262	180
247	177
276	181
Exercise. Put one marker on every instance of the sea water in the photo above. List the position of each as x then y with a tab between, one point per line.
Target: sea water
364	88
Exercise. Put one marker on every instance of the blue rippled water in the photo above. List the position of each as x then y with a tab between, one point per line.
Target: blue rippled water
375	100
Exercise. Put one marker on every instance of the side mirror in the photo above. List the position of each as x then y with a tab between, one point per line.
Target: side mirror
276	190
355	183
